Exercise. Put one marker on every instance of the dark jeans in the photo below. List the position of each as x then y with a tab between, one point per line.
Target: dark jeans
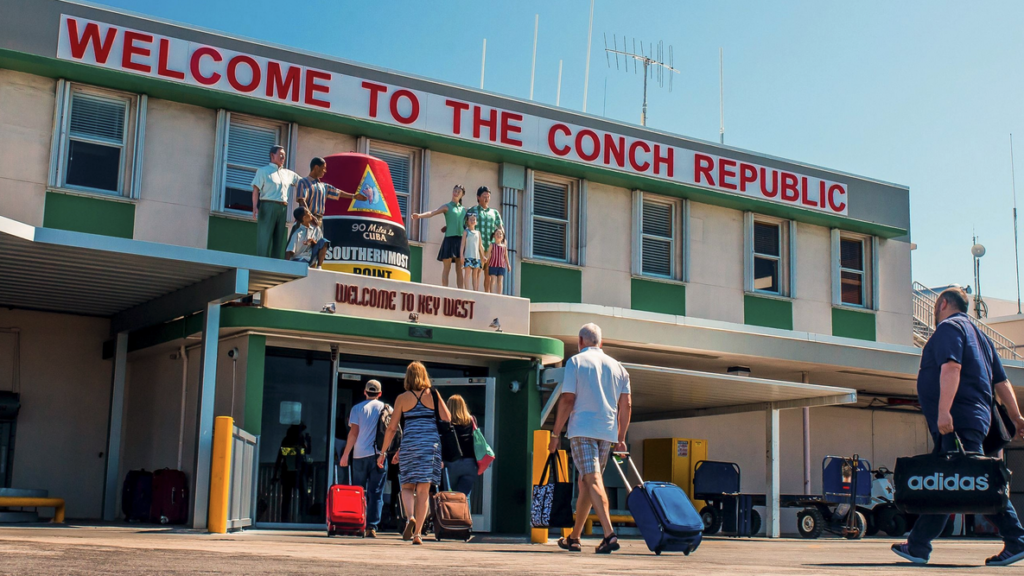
928	527
365	473
462	475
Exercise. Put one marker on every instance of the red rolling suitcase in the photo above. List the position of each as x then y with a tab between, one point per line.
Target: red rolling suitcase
170	497
346	510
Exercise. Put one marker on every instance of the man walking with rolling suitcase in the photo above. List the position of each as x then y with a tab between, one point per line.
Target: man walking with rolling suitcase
362	435
960	371
596	402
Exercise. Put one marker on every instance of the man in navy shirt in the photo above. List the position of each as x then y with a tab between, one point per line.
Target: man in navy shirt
959	373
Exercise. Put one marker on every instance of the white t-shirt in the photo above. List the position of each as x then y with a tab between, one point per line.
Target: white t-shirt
273	182
597	380
365	415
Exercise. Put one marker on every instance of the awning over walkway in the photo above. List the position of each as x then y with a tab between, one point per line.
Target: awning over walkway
73	272
661	393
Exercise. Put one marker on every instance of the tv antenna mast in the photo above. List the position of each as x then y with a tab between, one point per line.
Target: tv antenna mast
653	61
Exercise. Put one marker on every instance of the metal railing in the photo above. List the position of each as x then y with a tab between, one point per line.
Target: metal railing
244	459
924	315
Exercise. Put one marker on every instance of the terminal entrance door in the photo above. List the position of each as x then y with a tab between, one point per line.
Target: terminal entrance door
478	392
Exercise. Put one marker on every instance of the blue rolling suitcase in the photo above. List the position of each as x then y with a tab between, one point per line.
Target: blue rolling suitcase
663	513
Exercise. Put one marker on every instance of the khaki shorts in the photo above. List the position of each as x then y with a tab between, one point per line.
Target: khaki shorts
589	454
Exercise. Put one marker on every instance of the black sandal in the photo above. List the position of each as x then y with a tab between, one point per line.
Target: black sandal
609	544
570	544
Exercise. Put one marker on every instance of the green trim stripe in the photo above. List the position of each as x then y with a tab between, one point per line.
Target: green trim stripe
416	263
653	296
254	369
90	215
853	324
767	312
157	88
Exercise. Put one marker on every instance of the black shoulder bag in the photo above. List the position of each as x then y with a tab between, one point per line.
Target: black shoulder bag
951	483
1001	429
450	450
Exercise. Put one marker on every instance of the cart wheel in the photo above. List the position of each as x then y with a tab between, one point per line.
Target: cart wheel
861	524
657	552
437	537
810	523
892	522
755	522
873	517
712	519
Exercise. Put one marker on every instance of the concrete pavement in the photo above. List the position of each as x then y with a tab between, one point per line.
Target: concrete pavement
95	550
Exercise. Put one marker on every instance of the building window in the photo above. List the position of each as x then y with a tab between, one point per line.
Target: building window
657	240
852	272
553	226
95	143
245	144
768	255
404	163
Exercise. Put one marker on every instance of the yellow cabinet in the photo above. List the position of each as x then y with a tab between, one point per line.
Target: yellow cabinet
673	460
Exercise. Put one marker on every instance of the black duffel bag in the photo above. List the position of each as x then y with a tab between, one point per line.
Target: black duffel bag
951	483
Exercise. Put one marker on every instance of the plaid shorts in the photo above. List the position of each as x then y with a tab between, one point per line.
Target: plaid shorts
589	455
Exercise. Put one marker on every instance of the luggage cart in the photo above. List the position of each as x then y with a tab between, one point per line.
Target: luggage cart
846	483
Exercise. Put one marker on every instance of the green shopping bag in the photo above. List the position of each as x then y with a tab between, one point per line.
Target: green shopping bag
482	451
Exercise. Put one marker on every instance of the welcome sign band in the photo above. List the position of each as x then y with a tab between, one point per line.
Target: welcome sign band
137	52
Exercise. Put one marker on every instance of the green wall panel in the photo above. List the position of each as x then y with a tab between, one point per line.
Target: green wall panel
652	296
517	415
416	263
767	312
542	283
231	235
853	324
255	365
90	215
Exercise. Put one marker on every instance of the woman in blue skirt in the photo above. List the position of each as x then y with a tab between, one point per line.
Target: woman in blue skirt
419	459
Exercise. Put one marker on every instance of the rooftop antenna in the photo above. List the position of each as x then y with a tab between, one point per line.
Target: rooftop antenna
533	66
1016	249
558	92
721	99
483	64
653	61
980	308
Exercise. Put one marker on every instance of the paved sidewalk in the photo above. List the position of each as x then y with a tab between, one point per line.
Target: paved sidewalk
94	550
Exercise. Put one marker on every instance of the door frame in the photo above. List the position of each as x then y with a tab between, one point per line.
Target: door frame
481	522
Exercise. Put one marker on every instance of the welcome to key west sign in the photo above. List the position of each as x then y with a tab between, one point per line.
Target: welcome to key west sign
176	60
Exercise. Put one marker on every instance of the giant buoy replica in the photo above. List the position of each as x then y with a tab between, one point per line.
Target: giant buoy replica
368	236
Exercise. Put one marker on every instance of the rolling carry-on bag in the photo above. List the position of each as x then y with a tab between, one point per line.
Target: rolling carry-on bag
170	497
137	496
663	513
453	519
346	509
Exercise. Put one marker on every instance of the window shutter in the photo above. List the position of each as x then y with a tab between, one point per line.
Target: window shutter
400	166
550	202
248	150
657	242
98	118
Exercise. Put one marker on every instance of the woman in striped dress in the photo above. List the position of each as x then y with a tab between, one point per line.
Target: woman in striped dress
419	458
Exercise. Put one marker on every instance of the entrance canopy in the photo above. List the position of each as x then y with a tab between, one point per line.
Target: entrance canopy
661	393
136	283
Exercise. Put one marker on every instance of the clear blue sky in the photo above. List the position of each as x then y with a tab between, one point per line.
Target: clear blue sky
921	93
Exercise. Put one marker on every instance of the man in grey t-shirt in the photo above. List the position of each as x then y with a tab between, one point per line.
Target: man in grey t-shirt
361	444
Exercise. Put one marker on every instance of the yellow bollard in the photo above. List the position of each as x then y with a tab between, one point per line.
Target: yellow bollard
220	475
541	440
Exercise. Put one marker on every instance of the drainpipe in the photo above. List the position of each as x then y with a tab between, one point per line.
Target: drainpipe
807	441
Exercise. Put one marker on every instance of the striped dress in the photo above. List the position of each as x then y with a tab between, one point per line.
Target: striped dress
419	459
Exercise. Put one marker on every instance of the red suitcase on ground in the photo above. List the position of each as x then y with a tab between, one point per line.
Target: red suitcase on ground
346	510
170	497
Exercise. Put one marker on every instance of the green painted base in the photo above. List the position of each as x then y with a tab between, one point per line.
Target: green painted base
767	312
89	215
853	324
231	235
651	296
542	283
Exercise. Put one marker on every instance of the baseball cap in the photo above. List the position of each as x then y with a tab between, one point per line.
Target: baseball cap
373	387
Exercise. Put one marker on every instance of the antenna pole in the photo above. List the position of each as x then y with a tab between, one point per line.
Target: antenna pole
558	93
1016	249
483	64
721	99
533	66
643	114
586	75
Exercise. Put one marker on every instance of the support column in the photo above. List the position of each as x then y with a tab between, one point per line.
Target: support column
114	427
772	472
204	425
807	441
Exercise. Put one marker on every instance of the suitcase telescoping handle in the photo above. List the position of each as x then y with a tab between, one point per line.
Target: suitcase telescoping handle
618	467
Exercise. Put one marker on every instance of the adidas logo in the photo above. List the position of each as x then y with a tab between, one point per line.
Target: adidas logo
955	482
